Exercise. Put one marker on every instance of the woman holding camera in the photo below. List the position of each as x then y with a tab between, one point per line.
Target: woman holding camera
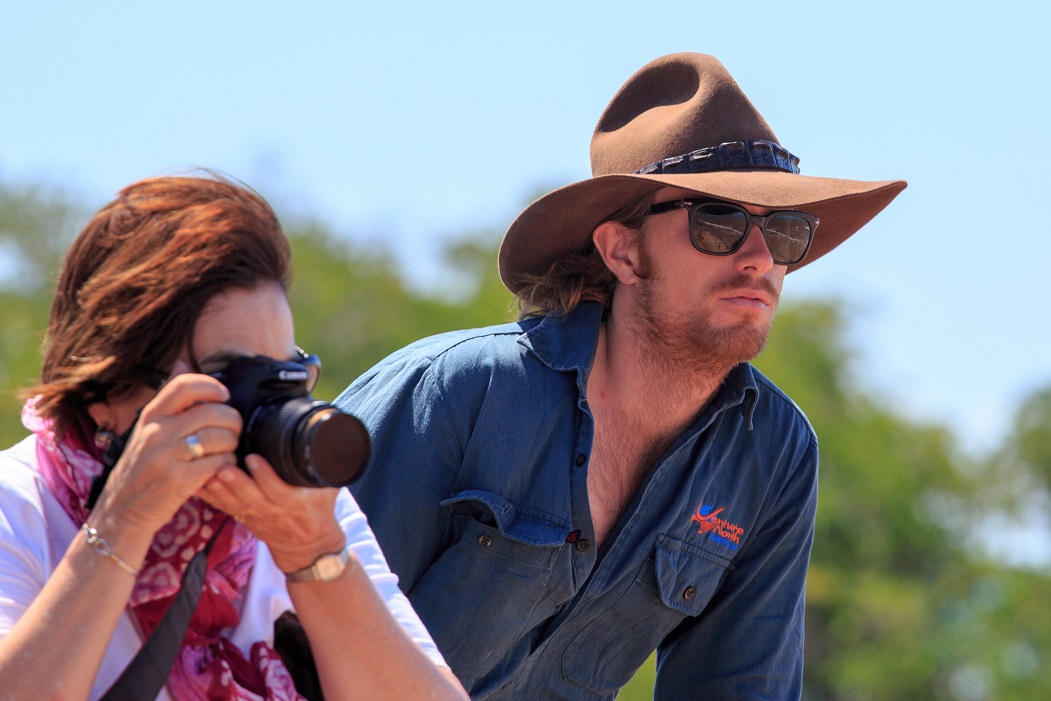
166	286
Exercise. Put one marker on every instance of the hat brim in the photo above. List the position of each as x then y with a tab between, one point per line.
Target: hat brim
562	221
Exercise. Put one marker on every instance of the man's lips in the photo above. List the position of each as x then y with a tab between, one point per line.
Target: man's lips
749	297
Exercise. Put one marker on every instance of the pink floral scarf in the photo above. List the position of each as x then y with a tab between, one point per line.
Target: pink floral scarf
209	667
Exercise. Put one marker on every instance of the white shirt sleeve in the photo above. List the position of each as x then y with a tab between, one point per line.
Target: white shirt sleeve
364	544
35	532
267	597
27	553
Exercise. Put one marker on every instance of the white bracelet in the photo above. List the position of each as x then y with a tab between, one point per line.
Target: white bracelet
102	548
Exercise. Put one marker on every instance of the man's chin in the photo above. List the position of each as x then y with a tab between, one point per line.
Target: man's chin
739	343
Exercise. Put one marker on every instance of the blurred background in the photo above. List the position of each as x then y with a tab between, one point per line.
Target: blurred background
397	142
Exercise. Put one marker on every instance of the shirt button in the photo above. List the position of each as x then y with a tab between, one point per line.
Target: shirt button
581	459
485	541
582	544
689	593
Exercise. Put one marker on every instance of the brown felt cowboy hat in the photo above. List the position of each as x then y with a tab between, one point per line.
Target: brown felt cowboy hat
683	121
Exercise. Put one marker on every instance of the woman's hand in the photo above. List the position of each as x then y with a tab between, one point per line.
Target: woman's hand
56	648
360	649
159	468
297	523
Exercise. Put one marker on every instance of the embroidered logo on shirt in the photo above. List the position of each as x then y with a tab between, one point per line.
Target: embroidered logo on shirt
717	529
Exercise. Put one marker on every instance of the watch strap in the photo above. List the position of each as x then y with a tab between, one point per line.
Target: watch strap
325	568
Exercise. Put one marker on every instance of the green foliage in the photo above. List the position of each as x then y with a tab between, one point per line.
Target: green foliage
353	308
24	319
1032	432
35	229
898	606
900	602
1027	454
640	687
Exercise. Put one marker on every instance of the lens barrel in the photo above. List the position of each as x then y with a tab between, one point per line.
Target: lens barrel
309	442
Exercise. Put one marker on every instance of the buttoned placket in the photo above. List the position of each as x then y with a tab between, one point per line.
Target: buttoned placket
593	576
584	555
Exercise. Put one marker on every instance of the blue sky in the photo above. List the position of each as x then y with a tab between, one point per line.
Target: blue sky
412	122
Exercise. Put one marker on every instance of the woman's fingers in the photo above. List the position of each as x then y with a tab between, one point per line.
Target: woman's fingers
189	413
183	436
185	445
183	393
297	523
209	440
261	493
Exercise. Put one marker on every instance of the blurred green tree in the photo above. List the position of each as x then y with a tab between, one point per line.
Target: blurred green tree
352	307
1023	465
36	227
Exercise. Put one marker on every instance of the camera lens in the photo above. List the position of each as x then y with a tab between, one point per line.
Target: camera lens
333	444
310	443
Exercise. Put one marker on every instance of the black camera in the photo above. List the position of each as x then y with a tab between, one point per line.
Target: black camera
309	442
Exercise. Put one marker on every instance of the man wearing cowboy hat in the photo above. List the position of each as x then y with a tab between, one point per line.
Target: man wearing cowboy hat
609	476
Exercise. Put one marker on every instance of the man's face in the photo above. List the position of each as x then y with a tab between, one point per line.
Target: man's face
703	309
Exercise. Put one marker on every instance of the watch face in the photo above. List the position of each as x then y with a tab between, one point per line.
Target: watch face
325	568
329	567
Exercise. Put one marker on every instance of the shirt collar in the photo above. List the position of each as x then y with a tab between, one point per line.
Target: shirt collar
567	343
739	388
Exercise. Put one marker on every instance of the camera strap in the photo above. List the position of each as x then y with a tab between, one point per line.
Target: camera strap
147	673
110	456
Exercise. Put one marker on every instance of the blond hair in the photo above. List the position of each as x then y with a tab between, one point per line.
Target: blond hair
578	277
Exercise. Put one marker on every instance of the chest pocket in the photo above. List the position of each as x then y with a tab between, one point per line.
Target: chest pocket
491	585
677	582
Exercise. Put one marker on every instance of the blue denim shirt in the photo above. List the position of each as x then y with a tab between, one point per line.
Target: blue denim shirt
477	491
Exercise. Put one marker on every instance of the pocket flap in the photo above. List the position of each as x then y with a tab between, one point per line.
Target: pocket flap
524	525
687	575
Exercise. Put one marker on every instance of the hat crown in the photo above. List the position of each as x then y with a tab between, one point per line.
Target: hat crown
682	121
673	106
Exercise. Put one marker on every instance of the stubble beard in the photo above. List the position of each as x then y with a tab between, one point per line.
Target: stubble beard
687	342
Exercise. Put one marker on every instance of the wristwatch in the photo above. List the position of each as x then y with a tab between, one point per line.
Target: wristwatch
325	568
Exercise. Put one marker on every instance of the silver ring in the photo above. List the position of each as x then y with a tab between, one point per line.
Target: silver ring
193	444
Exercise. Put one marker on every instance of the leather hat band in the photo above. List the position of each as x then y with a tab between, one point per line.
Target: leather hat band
726	156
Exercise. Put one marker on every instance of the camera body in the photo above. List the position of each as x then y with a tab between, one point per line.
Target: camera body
309	442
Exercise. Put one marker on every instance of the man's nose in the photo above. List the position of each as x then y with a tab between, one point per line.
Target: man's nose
754	253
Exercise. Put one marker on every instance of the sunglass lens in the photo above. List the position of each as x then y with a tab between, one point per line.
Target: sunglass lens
315	374
787	237
718	228
313	365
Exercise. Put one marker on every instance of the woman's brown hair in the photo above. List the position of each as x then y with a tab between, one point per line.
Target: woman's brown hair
136	278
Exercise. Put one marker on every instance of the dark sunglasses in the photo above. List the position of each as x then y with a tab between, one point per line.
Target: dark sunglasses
719	228
313	365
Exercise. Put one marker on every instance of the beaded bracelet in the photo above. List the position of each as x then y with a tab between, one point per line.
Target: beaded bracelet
102	548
